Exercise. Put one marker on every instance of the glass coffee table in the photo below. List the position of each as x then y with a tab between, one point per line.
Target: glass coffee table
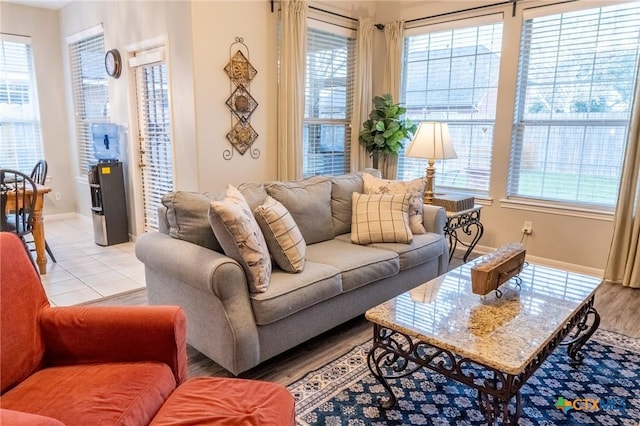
491	344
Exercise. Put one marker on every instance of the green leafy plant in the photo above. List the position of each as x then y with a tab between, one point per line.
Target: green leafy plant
386	129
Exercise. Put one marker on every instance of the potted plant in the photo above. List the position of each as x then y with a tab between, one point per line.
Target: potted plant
386	129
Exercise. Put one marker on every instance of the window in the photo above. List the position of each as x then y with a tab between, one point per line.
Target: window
574	94
451	75
20	134
328	100
90	89
154	130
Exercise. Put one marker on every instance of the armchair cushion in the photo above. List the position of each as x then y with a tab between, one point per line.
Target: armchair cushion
18	418
93	394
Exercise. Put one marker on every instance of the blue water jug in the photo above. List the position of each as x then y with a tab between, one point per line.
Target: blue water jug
106	141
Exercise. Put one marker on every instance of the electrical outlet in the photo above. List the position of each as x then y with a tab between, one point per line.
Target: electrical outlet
527	228
58	196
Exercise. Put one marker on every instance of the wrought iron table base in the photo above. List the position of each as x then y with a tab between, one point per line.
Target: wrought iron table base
467	223
395	355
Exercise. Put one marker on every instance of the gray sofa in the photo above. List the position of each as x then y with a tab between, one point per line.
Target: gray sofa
185	266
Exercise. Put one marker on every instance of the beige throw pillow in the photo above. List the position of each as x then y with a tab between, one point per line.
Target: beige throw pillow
283	236
380	218
241	238
374	185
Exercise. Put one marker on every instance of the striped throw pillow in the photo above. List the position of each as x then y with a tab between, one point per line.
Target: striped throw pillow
284	239
380	218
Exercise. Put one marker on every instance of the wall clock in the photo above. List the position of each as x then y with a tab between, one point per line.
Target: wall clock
113	63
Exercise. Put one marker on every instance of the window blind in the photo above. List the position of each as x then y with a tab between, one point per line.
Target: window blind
574	94
90	93
451	75
154	128
328	102
20	133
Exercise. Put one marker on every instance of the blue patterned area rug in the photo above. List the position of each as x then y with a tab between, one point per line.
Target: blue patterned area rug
344	392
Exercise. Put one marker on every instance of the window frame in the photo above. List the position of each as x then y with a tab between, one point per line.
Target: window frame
30	138
518	200
478	179
315	23
80	92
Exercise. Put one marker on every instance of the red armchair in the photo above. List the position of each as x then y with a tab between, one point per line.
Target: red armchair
83	365
108	365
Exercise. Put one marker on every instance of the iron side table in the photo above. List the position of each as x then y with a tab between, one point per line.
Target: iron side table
468	221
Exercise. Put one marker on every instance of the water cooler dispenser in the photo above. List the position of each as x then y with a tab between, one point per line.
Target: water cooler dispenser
106	181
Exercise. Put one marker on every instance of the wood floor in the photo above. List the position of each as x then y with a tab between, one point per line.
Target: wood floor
619	308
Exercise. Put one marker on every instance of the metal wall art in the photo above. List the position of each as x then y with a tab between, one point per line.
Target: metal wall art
240	102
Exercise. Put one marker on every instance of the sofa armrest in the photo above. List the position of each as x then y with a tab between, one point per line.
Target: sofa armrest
96	334
434	218
195	265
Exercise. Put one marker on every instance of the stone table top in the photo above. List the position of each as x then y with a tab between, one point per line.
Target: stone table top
504	333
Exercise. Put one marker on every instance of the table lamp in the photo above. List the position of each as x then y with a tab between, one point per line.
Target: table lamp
433	142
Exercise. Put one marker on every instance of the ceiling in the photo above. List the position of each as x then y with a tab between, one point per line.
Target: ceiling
46	4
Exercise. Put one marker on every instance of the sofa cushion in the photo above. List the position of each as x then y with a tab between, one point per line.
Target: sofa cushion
358	265
282	235
374	185
309	202
241	238
341	189
424	248
95	394
188	218
226	401
289	293
254	193
380	218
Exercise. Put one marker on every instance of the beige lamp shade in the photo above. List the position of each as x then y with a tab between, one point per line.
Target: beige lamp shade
431	141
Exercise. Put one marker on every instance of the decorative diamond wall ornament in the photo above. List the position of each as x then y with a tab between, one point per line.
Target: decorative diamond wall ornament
242	136
241	103
240	70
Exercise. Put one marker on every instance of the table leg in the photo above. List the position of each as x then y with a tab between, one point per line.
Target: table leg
38	238
583	332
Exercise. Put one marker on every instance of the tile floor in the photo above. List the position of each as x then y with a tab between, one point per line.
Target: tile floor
86	271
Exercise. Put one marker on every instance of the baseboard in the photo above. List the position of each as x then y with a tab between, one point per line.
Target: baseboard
572	267
63	216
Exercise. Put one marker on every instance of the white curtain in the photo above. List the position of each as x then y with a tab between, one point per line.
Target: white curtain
363	92
291	87
393	34
623	266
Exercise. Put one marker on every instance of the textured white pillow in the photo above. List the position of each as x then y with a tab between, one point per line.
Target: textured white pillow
374	185
283	236
241	238
380	218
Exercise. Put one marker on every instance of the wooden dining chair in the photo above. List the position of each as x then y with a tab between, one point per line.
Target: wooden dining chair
18	194
39	176
39	172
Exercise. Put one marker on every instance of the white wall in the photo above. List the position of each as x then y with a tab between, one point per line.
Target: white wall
214	27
